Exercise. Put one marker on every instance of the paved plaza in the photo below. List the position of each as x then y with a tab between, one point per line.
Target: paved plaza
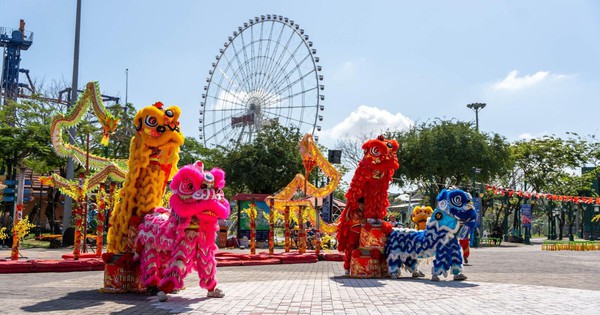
512	279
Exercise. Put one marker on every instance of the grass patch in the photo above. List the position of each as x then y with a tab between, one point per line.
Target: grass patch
29	241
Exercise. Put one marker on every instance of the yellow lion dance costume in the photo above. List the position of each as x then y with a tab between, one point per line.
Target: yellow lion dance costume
153	157
420	215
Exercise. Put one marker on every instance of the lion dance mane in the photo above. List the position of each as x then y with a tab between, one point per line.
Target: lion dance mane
153	157
370	182
171	243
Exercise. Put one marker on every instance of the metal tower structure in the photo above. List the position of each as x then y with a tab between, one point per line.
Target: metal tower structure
13	41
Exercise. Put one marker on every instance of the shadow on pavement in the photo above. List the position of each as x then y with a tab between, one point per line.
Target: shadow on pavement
357	282
82	300
451	284
374	282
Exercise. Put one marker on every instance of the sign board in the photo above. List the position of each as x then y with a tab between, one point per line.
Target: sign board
477	206
526	215
261	221
8	198
10	183
262	225
13	198
12	191
326	209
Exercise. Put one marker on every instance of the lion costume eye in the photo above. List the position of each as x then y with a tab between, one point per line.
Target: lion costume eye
456	201
375	151
151	121
186	187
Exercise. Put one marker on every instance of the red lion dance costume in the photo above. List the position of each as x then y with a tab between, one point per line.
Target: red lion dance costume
171	243
370	182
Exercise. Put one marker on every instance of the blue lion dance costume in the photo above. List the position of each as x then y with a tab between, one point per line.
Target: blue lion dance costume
454	215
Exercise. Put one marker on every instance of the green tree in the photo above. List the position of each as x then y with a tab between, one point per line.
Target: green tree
118	144
542	165
192	150
444	153
264	166
25	135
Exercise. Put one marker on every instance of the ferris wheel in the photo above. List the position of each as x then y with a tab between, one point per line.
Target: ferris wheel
266	73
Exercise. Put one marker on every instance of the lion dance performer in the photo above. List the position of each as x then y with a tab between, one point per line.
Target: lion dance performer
172	242
370	184
453	218
153	157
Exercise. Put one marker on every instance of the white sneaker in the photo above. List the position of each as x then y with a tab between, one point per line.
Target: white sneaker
435	278
216	293
460	277
162	296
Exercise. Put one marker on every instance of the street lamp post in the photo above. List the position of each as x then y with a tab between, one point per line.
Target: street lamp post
475	194
71	131
476	107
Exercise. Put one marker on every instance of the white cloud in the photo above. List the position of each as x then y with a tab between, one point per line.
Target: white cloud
525	136
366	121
529	136
515	82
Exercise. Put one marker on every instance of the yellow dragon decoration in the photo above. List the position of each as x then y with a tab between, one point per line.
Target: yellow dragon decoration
105	167
311	156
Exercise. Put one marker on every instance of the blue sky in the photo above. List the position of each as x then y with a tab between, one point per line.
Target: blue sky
386	64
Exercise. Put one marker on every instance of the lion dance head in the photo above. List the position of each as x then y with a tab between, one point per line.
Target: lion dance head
199	193
419	216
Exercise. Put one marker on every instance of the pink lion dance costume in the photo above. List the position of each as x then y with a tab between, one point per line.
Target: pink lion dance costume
171	243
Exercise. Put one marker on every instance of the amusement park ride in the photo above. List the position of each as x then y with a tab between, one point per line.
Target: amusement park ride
266	72
13	41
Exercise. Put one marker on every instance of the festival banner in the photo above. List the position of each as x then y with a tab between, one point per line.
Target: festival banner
262	224
526	215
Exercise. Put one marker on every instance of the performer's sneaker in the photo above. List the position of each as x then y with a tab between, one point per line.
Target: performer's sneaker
460	277
162	296
435	278
418	274
466	260
216	293
347	272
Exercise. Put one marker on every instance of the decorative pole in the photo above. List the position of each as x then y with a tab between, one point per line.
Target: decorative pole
100	201
78	219
301	231
271	226
14	253
317	241
286	226
112	196
251	213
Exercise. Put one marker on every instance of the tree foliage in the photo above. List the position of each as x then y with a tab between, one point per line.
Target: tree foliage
25	136
264	166
446	153
192	151
541	163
